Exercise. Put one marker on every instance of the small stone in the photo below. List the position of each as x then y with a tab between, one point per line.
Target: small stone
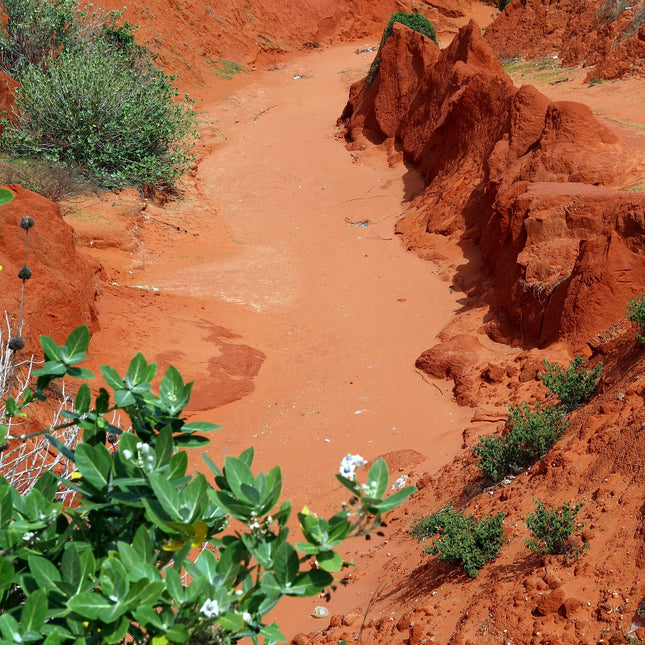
550	603
27	222
350	619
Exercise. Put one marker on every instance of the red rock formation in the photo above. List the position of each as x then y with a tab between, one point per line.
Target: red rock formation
522	177
60	295
604	35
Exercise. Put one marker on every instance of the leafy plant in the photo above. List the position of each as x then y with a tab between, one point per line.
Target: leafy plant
414	21
573	385
148	552
551	530
502	4
91	98
531	435
636	313
462	539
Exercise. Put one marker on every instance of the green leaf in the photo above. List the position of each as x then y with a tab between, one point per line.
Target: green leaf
44	572
80	372
178	633
112	377
51	349
52	368
200	426
172	391
137	371
273	633
124	398
114	580
102	401
95	464
191	441
71	566
175	587
377	478
90	605
311	583
164	448
34	612
6	507
78	341
167	495
395	500
330	561
6	196
231	622
285	564
83	399
238	473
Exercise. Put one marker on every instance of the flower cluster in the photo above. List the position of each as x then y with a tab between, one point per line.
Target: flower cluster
349	464
145	457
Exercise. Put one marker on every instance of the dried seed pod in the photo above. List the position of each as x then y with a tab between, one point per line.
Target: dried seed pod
27	222
320	612
16	343
25	273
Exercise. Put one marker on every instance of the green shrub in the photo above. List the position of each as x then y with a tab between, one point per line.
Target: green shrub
502	4
551	530
90	97
531	434
636	313
462	539
414	21
573	385
34	30
115	118
146	552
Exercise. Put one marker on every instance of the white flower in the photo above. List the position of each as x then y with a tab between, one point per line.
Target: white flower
27	536
349	464
246	617
145	448
126	453
210	608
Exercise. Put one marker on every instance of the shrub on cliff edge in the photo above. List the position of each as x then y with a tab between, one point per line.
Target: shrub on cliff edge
414	21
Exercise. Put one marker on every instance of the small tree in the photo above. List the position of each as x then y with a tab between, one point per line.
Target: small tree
551	530
636	313
462	539
573	385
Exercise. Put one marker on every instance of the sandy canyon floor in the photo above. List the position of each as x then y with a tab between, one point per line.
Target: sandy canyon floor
277	284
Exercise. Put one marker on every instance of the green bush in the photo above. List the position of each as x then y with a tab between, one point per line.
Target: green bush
34	30
573	385
462	539
91	98
531	435
551	530
414	21
148	553
502	4
636	313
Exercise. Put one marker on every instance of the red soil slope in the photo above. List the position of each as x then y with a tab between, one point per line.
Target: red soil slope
61	294
606	36
192	37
